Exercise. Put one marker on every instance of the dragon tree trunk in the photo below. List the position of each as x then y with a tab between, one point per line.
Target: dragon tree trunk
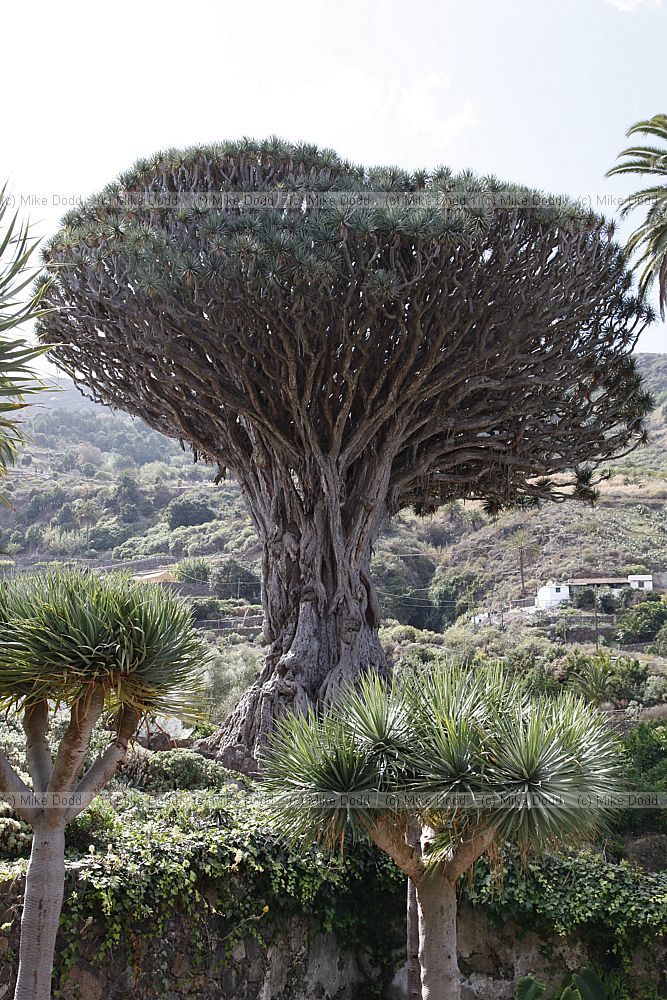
321	613
43	899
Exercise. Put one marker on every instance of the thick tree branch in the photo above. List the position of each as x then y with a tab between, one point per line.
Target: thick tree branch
105	766
38	752
16	791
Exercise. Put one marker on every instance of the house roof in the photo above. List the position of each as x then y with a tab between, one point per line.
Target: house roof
598	581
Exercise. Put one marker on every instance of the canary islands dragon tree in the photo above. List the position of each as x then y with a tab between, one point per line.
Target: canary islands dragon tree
469	757
96	647
348	342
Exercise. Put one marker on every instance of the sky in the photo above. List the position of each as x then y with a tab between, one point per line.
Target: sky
539	92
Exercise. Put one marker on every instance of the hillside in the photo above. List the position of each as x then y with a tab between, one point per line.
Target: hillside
94	483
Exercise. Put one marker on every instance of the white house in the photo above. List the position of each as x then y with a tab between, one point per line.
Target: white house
639	581
560	593
551	595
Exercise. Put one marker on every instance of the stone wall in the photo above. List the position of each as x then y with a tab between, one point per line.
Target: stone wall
303	963
300	963
493	958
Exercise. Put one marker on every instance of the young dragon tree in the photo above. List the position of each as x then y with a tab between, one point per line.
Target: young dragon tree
469	757
102	648
349	342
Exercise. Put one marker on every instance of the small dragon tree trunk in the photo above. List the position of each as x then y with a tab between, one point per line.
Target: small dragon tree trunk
435	887
436	903
58	797
322	613
43	899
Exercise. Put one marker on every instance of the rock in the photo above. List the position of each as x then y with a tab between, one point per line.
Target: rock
4	945
238	953
180	965
237	758
82	984
648	852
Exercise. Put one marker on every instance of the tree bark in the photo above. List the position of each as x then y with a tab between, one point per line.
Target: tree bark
436	903
321	613
44	889
413	966
412	943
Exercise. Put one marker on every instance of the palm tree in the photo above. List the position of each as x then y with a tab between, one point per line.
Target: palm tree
469	755
650	239
523	544
93	645
16	376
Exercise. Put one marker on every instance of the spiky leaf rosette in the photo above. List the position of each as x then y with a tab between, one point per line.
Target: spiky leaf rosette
64	632
468	752
271	303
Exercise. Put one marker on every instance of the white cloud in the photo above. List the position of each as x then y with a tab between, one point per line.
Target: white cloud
630	6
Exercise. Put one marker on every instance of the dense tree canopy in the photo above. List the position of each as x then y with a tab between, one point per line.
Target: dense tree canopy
349	342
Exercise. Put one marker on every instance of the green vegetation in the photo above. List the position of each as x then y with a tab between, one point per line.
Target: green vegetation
466	757
584	985
649	240
95	646
17	378
643	623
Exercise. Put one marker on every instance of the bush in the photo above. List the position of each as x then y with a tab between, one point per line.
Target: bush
168	770
15	835
655	691
598	678
195	570
646	755
589	676
643	622
232	578
628	678
660	644
97	825
232	669
452	593
204	608
583	598
186	511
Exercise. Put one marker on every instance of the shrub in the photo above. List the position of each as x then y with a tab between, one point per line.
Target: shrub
232	578
168	770
583	597
655	691
646	753
186	511
590	676
628	677
660	644
98	824
608	602
204	607
232	669
15	835
643	622
196	570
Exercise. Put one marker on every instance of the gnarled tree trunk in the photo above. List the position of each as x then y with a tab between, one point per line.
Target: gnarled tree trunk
322	613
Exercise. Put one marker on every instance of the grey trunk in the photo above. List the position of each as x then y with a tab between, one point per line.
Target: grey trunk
414	969
436	902
412	944
321	620
44	888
